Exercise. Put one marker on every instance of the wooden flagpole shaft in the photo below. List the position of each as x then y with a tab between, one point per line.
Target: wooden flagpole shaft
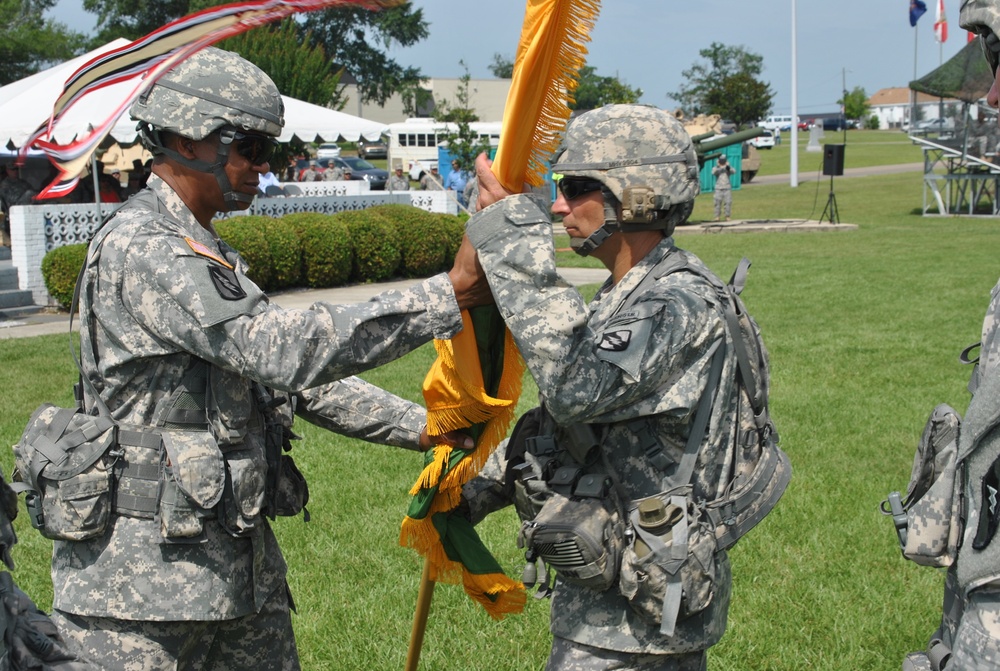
420	618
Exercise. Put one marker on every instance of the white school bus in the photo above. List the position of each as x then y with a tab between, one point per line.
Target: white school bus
413	144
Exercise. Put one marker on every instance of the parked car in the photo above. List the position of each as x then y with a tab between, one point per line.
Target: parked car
372	148
362	169
765	141
939	125
328	150
804	125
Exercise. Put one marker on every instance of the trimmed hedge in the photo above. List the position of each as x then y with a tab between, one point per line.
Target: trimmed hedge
245	234
327	253
376	255
60	268
423	241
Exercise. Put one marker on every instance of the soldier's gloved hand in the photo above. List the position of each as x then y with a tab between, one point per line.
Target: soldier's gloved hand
8	512
32	639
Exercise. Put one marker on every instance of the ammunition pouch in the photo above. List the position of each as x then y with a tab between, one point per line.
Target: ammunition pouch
64	462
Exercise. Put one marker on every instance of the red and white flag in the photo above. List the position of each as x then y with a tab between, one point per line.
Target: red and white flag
940	23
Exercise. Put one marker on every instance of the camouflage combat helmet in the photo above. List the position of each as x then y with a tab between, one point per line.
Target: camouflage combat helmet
983	17
213	91
645	161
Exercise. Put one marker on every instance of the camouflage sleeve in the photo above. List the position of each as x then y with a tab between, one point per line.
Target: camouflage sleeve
980	16
355	408
592	372
989	353
198	306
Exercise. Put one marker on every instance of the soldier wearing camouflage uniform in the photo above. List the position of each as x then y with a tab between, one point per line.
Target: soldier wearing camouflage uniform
969	636
186	351
635	374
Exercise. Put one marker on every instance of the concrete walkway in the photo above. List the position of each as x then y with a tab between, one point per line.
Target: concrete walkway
49	321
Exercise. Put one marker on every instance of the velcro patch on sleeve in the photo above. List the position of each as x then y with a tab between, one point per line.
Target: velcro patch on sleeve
226	283
202	250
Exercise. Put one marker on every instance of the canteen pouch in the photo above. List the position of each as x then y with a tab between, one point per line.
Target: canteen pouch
243	502
928	521
64	464
292	493
192	482
670	576
578	538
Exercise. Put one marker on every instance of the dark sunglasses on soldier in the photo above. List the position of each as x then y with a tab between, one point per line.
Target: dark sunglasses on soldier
574	188
258	149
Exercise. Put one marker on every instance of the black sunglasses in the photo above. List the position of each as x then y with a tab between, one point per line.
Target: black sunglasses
574	188
258	149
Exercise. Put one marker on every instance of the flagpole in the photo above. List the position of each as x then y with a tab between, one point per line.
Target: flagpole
420	618
913	94
794	166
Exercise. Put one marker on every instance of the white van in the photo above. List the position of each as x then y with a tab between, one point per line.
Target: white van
777	122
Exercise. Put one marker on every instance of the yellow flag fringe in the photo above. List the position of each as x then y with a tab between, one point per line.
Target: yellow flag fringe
546	67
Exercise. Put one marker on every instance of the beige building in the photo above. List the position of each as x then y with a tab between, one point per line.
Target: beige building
892	107
486	96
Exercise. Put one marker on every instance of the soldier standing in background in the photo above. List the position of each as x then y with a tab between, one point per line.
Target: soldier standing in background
723	198
398	181
201	372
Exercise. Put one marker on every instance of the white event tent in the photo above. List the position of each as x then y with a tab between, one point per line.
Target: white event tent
27	103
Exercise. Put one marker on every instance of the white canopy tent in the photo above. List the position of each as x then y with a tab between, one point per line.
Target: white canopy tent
27	103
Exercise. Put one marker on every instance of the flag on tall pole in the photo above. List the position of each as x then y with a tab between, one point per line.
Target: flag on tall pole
940	24
917	9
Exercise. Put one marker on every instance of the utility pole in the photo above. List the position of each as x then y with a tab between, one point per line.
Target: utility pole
794	171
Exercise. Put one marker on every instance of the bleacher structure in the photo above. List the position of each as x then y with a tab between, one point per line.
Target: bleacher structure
959	178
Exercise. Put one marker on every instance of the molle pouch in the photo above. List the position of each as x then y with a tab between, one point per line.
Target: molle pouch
292	493
668	570
191	485
928	520
577	537
64	464
242	505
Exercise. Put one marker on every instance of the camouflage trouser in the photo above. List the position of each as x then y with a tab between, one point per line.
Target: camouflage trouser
258	641
977	640
569	656
938	651
723	202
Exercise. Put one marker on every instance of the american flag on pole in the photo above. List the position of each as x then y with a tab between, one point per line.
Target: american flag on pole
940	23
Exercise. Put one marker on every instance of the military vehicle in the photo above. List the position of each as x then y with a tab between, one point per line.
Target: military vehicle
705	126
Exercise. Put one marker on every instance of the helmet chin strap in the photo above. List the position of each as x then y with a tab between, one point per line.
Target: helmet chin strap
231	198
610	226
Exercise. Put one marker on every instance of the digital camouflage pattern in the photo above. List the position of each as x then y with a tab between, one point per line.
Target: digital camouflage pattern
980	16
597	364
625	146
211	89
165	303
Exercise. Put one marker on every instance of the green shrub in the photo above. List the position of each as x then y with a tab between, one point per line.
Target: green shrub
423	241
327	252
873	122
60	268
245	234
286	253
376	255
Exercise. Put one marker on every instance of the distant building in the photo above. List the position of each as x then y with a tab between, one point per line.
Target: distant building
486	96
892	107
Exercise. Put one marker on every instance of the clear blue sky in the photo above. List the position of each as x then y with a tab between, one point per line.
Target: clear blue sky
647	43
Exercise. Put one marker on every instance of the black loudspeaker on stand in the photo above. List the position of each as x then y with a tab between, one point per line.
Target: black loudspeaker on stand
833	164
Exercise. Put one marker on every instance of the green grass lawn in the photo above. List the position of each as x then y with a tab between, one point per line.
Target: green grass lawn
864	148
864	329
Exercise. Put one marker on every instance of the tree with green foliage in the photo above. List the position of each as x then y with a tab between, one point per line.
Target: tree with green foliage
593	91
464	143
299	70
29	42
359	40
356	40
855	104
703	82
502	66
740	98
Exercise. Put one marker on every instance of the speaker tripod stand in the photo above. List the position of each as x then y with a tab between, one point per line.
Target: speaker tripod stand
831	207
